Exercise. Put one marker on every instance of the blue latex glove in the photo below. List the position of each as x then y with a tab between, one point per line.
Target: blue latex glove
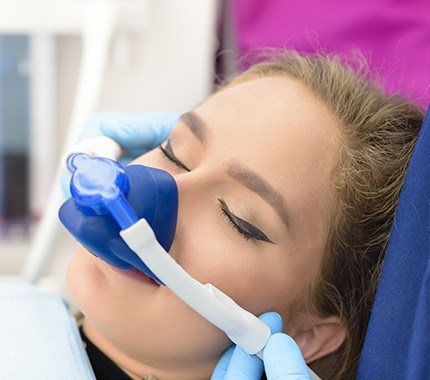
282	358
137	133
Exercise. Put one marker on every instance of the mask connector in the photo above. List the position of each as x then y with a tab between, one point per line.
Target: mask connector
100	186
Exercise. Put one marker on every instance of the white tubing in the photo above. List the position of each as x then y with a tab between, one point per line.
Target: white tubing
242	327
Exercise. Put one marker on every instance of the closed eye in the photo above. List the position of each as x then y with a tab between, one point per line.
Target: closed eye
246	229
168	152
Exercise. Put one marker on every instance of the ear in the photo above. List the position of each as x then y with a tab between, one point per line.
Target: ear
322	338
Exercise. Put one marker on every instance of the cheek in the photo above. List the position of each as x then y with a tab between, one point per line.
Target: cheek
257	280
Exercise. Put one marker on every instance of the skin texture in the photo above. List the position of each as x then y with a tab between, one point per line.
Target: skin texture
276	128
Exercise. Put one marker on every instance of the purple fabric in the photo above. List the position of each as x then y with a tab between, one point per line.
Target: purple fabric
393	34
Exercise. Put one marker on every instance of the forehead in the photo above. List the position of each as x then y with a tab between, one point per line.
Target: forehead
269	107
272	120
278	128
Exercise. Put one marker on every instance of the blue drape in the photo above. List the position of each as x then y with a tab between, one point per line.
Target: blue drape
397	344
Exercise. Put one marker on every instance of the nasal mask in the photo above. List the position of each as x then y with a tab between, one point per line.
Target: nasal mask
127	217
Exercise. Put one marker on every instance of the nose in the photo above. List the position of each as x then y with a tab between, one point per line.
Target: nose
195	191
201	179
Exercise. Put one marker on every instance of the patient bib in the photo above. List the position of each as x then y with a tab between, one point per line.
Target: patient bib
39	338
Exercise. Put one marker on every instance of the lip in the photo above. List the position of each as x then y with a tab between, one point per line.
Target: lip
137	275
134	274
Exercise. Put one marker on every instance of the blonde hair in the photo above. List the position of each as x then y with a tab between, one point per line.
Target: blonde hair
378	133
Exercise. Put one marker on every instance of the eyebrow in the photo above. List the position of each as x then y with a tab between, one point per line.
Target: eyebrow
241	174
259	185
196	125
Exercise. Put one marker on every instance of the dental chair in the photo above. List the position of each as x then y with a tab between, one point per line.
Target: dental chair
40	340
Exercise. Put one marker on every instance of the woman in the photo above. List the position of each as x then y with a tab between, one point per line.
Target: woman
288	179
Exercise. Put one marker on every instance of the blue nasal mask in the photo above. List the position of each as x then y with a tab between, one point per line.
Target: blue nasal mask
127	217
107	198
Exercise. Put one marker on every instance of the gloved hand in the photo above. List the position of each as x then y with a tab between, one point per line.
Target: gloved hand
282	358
137	133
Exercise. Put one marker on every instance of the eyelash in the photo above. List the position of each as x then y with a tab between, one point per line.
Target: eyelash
171	158
245	234
223	206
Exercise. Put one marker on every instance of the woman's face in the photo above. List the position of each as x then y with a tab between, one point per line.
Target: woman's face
253	166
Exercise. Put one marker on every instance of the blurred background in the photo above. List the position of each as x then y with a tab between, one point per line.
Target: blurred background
63	60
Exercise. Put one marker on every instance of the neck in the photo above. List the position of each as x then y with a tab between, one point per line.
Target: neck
137	370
